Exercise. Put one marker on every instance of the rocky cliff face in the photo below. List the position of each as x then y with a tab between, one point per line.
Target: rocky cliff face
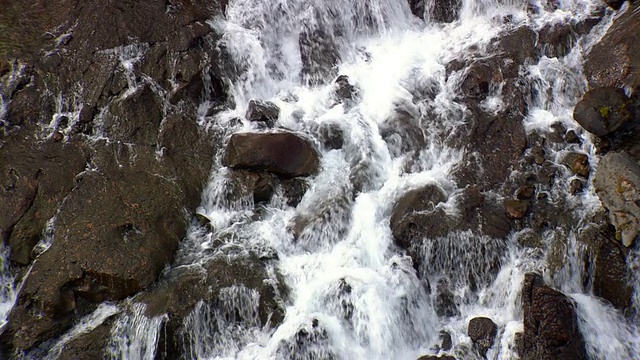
101	150
103	160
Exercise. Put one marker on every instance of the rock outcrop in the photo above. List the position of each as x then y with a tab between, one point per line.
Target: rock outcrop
617	183
615	59
103	150
550	324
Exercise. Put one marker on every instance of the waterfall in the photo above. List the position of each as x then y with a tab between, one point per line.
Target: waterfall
351	292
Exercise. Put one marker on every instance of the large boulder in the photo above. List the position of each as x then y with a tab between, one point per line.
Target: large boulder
603	110
550	324
617	183
285	154
615	60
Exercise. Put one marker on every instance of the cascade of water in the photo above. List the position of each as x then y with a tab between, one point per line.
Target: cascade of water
352	294
135	336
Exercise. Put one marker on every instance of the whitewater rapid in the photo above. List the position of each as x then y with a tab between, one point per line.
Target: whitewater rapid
388	54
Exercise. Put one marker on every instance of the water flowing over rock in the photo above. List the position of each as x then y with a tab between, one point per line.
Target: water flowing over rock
331	179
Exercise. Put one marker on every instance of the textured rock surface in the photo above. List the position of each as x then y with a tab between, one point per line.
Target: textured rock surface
615	60
617	183
550	324
284	154
603	110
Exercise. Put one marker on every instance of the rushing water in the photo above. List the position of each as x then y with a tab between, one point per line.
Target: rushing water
387	311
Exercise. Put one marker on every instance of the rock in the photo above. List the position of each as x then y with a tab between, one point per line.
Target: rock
434	357
445	303
294	189
516	209
344	90
615	59
525	192
576	186
603	110
482	332
571	137
331	136
402	130
311	341
530	239
614	4
417	8
550	324
444	11
578	163
421	200
184	287
90	345
617	182
557	40
611	279
263	111
447	342
284	154
318	53
263	188
34	183
135	119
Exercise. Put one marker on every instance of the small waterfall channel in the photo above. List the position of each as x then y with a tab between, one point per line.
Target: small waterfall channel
345	288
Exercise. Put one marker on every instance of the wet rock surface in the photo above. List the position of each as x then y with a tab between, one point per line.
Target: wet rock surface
550	323
179	293
615	59
482	332
111	210
284	154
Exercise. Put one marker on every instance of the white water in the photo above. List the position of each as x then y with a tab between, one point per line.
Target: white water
388	312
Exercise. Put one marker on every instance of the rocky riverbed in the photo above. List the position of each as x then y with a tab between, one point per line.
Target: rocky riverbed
115	131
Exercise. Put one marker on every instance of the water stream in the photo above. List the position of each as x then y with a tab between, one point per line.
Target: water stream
352	293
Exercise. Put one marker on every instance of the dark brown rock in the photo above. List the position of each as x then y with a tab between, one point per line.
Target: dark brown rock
444	303
318	53
179	293
615	60
550	324
331	136
576	186
284	154
91	345
578	163
482	332
444	11
403	220
264	112
611	277
135	119
516	209
603	110
434	357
